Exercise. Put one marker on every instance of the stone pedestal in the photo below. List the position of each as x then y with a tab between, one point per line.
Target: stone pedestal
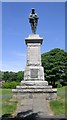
34	81
33	71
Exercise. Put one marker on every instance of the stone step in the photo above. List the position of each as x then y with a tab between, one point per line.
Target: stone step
34	90
33	87
37	83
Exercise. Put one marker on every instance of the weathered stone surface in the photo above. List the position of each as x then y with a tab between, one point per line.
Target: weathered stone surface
33	54
37	90
34	38
33	69
33	83
52	95
33	87
35	102
38	76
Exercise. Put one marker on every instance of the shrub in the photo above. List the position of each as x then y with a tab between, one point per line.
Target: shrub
59	85
11	85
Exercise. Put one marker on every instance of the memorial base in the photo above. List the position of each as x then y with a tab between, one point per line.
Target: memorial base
35	87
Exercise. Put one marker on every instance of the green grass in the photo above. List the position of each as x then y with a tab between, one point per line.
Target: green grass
0	109
62	89
5	91
0	91
8	105
58	106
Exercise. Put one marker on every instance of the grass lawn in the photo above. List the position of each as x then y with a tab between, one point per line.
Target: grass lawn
7	104
58	106
62	89
5	91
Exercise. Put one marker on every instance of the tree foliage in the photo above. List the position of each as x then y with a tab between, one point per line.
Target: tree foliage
10	85
1	75
12	76
54	63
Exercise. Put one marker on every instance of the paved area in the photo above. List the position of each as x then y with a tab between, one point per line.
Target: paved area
36	102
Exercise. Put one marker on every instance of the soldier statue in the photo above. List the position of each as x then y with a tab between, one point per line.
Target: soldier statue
33	20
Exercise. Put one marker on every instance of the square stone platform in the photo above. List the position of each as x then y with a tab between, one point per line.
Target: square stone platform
32	87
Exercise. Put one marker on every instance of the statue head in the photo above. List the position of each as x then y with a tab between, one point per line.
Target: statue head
33	11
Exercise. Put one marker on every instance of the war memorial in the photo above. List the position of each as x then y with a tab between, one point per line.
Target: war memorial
34	89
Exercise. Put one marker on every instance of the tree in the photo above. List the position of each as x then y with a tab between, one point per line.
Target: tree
54	63
12	76
1	75
20	75
6	76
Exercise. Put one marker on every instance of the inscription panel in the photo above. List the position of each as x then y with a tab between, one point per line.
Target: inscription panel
33	54
34	73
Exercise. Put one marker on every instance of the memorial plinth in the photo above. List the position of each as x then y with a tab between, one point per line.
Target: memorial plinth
34	71
34	79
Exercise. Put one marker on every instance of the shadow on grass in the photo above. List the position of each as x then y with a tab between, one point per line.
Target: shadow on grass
29	115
